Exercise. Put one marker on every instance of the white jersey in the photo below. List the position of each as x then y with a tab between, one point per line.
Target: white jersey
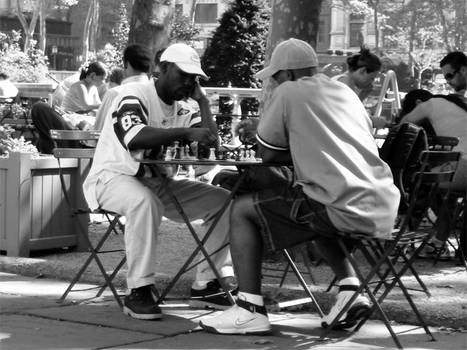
136	106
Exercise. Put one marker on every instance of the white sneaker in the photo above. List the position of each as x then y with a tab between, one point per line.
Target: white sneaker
357	311
242	318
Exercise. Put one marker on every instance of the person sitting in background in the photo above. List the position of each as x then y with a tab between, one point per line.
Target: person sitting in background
46	118
448	117
136	63
7	89
116	77
83	96
360	75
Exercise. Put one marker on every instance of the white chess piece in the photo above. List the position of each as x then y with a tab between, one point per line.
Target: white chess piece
168	154
252	155
212	154
176	150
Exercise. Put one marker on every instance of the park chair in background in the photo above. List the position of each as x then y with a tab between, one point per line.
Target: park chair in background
85	155
459	218
377	270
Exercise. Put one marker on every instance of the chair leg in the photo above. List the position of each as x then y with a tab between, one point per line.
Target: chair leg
93	256
302	281
363	286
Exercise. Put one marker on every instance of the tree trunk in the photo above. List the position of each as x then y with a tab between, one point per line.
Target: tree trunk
445	33
28	28
94	27
375	20
88	32
150	23
413	23
290	19
460	35
44	6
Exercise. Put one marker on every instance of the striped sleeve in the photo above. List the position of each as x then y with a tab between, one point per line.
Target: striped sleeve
129	118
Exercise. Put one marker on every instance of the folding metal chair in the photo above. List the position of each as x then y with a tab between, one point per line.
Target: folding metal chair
380	254
281	274
85	155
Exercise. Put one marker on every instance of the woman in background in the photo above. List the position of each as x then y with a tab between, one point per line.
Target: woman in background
362	71
83	96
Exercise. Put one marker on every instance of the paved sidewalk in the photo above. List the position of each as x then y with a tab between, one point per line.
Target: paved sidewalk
30	318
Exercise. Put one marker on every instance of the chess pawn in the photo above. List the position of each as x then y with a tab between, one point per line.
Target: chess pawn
191	173
242	155
183	155
176	150
252	155
168	154
194	149
212	154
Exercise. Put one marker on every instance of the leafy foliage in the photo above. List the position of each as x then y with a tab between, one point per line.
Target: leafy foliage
29	67
183	29
8	143
121	30
237	49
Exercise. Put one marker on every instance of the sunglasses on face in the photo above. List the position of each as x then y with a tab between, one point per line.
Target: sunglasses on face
450	76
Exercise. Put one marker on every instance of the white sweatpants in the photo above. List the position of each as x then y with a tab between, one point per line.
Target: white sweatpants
143	202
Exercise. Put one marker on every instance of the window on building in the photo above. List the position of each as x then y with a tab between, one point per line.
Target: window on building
179	8
356	34
206	13
356	25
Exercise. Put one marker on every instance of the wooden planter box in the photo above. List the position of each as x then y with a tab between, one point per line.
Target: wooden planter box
33	211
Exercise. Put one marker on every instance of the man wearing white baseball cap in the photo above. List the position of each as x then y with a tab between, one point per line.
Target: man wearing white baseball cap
341	184
142	118
185	57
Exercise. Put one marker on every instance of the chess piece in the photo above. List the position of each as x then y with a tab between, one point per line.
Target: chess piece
212	154
186	154
252	155
242	155
194	149
191	173
176	150
168	154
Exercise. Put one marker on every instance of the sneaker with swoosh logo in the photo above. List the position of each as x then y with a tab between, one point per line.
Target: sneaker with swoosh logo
242	318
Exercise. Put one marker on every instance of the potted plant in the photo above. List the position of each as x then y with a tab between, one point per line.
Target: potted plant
33	213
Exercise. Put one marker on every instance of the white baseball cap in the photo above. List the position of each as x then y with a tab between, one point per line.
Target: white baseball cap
289	54
185	57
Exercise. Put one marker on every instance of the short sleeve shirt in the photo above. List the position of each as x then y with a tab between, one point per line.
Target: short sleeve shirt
329	135
135	106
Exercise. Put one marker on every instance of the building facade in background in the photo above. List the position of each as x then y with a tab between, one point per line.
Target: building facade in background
340	32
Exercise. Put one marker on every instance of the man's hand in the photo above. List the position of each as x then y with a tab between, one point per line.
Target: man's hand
198	92
246	130
203	135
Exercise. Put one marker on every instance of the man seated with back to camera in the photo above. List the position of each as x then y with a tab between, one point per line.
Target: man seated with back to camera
341	185
145	117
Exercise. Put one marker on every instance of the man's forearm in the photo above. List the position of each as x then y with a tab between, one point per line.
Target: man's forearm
150	137
207	121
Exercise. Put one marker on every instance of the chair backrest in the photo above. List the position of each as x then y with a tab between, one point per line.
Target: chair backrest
401	150
442	143
437	169
74	135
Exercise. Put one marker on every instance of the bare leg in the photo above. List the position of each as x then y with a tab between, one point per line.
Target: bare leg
335	257
246	245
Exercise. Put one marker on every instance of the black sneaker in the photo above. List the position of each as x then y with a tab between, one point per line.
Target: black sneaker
140	304
212	296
